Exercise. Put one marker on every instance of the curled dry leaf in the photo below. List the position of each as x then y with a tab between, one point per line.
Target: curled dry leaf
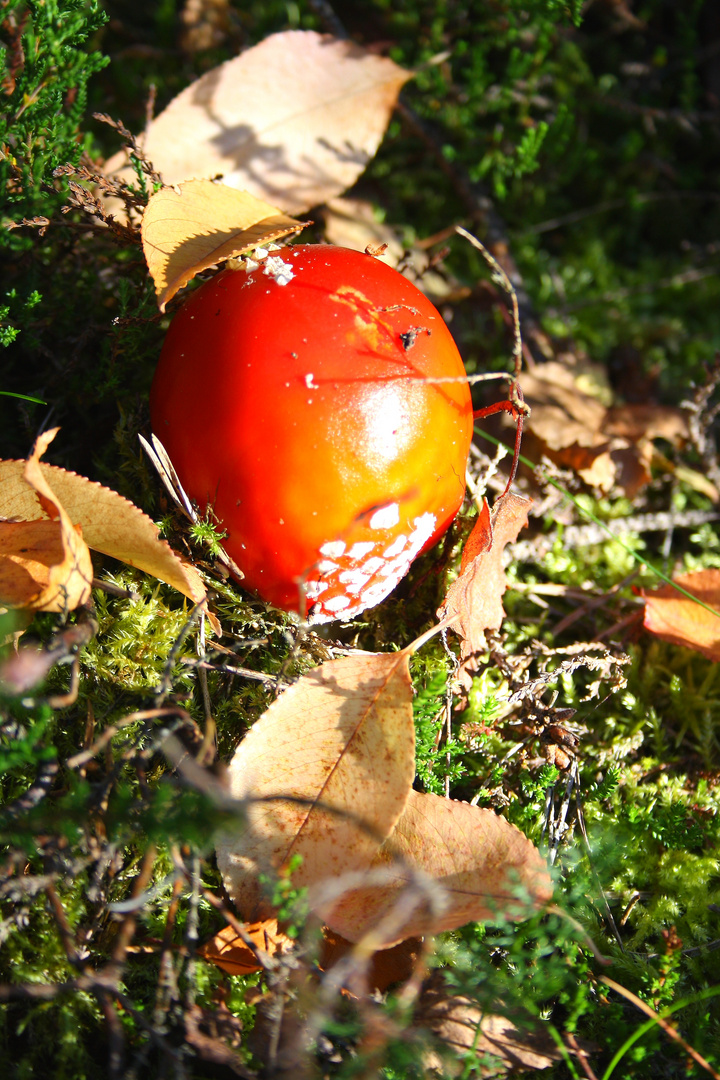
110	524
461	1026
334	760
45	564
676	618
376	971
199	224
484	867
607	447
474	602
228	951
293	120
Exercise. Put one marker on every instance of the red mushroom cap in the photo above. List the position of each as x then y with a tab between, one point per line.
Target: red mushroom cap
319	405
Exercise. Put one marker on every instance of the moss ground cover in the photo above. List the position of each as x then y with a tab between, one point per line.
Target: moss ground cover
582	143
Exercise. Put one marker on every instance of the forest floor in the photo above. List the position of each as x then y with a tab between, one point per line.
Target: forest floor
547	174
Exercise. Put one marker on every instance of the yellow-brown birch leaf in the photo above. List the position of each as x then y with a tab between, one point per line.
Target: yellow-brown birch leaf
326	772
293	120
446	863
45	564
199	224
110	523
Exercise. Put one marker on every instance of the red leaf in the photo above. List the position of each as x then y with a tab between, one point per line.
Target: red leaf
474	602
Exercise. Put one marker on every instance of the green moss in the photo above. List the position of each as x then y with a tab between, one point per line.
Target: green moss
542	113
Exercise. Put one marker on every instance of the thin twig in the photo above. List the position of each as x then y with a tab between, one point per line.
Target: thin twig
191	932
558	827
581	1055
132	718
583	832
594	603
66	934
661	1022
231	669
167	988
129	924
501	278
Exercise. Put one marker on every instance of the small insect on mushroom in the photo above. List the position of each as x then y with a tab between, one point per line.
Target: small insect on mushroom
318	403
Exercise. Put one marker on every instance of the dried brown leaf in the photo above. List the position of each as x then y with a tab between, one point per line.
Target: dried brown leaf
673	617
461	1025
607	447
379	971
45	564
199	224
110	524
206	24
293	120
334	758
561	414
649	421
474	602
482	863
228	951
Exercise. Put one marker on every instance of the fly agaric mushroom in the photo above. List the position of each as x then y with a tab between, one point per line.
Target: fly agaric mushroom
317	402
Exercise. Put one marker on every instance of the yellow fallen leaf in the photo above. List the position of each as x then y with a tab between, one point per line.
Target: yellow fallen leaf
293	120
201	223
228	950
329	765
44	564
472	865
110	523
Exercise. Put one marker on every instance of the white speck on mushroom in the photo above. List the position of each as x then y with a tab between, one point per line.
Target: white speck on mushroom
386	517
397	568
373	565
277	268
333	549
337	603
354	579
359	550
377	592
327	566
424	528
309	381
314	588
397	547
